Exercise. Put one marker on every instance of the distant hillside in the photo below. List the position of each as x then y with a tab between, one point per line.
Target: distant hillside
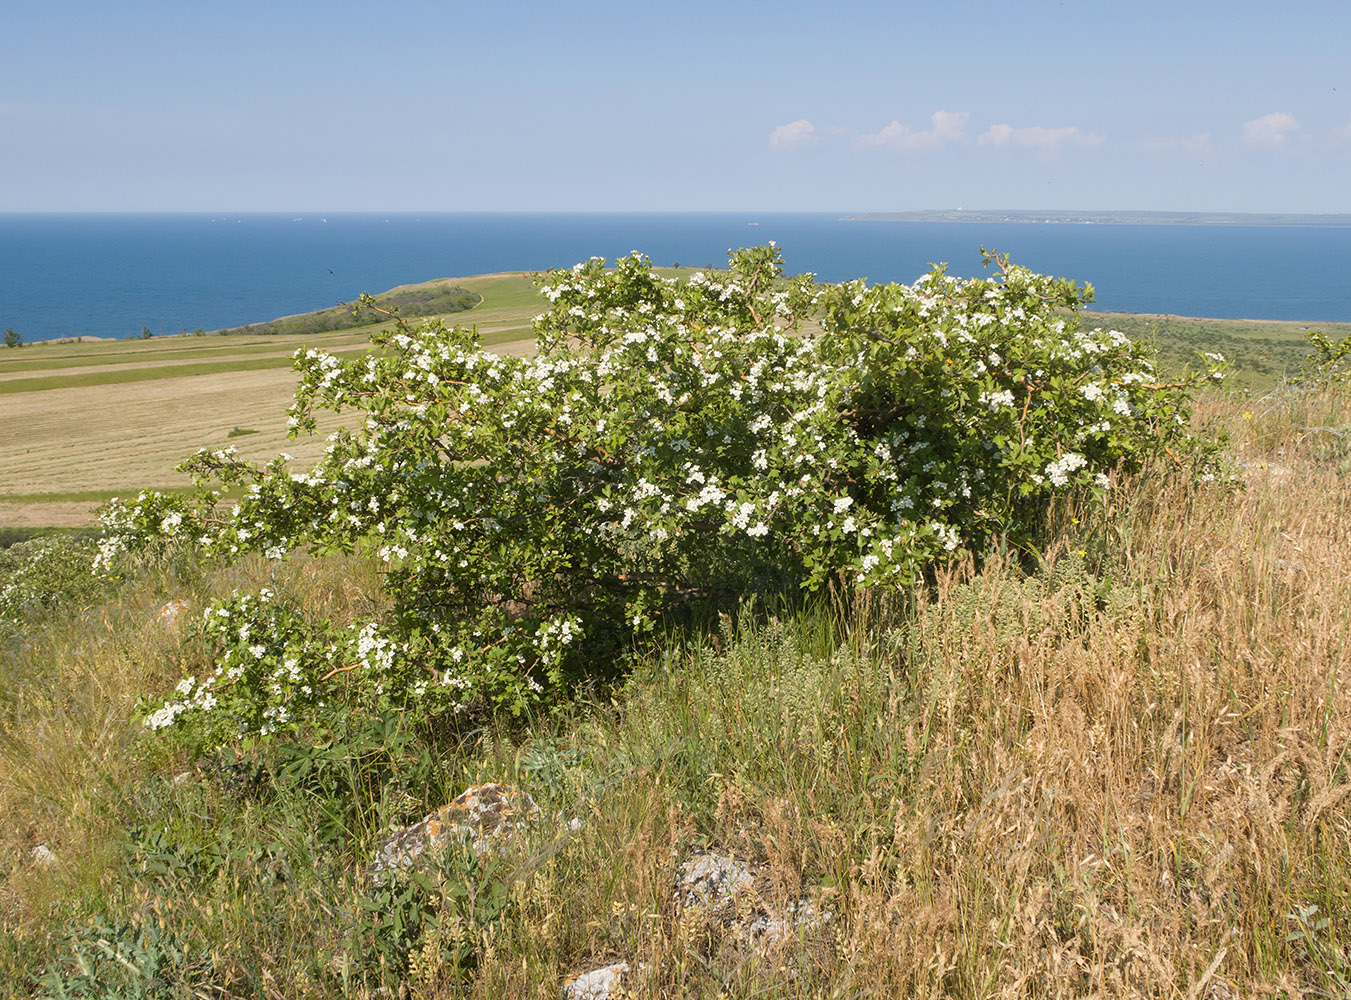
430	299
1107	217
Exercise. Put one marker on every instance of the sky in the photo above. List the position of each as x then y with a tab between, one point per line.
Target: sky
696	106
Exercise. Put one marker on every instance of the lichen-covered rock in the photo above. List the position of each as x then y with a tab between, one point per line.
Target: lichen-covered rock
605	983
710	882
726	904
482	817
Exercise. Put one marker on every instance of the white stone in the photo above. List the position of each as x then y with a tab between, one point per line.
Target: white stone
710	880
598	984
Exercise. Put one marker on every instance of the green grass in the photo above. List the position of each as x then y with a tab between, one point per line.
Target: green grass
176	353
70	496
95	496
1262	352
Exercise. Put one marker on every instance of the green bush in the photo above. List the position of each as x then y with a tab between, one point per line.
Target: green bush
669	441
431	917
1330	362
426	301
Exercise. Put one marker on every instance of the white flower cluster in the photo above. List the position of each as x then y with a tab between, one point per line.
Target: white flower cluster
1000	400
1058	472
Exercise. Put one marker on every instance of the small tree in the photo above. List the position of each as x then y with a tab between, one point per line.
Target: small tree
13	338
146	333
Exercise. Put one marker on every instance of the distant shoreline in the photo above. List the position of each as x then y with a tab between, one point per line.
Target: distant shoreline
1078	218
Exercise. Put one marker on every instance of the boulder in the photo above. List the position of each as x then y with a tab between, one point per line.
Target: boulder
722	892
483	816
710	883
718	894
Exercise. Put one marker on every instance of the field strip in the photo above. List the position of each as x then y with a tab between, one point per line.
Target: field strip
124	437
117	367
147	372
245	347
64	514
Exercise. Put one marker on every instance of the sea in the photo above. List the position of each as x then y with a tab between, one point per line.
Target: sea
113	275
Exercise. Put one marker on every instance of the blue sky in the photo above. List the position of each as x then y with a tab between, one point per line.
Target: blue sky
849	106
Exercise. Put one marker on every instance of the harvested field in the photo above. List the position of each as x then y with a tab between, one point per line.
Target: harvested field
87	421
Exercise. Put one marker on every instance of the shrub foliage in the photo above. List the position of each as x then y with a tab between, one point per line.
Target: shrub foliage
670	439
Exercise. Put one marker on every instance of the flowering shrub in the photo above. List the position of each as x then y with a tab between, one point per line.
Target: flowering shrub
40	576
1329	363
669	439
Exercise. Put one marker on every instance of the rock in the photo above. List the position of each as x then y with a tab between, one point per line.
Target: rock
605	983
482	816
710	882
719	894
43	857
722	891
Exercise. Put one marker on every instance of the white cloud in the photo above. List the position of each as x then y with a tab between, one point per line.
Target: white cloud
948	127
794	135
1342	133
1270	131
1039	137
1198	143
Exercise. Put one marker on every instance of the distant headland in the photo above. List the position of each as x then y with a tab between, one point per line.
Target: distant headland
1078	218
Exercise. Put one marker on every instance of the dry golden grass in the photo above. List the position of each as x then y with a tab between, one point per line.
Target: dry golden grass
1059	788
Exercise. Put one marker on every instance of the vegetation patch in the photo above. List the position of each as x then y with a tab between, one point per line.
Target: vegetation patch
436	299
1261	354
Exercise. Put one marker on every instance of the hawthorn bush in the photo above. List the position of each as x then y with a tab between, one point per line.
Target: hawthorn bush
668	440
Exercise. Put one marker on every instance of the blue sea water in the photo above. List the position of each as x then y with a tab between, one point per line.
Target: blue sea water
110	275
